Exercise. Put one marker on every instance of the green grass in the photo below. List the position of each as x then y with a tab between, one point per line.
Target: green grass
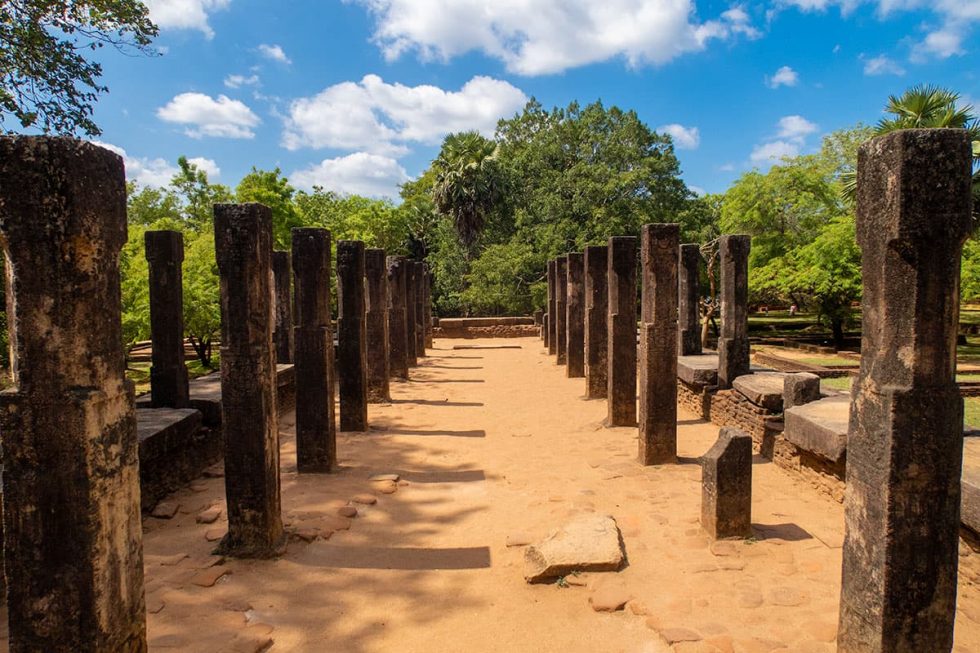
971	411
839	383
139	372
831	361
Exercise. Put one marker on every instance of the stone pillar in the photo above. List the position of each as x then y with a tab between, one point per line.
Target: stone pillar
733	344
427	304
397	317
168	372
621	328
282	336
575	317
71	494
800	388
249	419
905	440
561	309
316	421
376	325
549	340
419	309
411	334
351	336
726	486
596	310
688	293
659	245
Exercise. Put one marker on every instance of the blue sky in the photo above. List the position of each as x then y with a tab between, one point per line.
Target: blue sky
356	95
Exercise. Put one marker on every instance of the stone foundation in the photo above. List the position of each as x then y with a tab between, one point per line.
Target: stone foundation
486	327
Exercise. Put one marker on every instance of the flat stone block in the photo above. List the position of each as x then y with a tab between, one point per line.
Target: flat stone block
762	389
587	543
700	369
162	430
819	427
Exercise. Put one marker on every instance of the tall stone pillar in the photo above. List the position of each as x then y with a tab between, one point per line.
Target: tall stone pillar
249	419
688	292
397	317
316	421
658	344
575	317
549	340
427	304
168	372
419	309
376	325
71	493
733	344
596	333
351	336
561	309
282	336
905	440
621	350
411	333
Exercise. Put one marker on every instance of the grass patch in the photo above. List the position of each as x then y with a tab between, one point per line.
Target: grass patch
971	412
832	361
839	383
139	372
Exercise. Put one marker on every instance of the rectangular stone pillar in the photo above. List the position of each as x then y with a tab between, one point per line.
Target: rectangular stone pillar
412	339
71	495
688	294
726	486
427	304
659	245
733	343
376	325
561	309
397	317
249	418
351	336
419	309
596	333
549	340
905	440
621	328
316	421
575	317
282	335
168	371
544	329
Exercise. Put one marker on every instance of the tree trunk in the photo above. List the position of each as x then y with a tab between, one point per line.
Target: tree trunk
837	326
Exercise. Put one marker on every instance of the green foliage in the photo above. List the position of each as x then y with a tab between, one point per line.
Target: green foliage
379	223
152	206
272	190
449	267
46	81
202	294
197	195
506	280
134	280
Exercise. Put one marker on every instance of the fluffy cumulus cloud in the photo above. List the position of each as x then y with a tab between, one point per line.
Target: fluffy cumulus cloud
785	76
361	173
685	138
156	172
789	139
206	116
185	14
380	118
534	37
237	81
274	52
882	65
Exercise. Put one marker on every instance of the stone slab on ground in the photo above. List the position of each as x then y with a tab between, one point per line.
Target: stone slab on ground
762	389
820	426
700	369
160	430
586	543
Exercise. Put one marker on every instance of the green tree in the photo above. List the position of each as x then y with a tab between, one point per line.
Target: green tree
273	190
506	280
148	206
202	295
134	273
47	81
197	194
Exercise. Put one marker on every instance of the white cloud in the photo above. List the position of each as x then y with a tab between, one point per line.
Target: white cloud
774	151
361	173
206	116
788	141
534	37
207	165
379	117
941	43
727	167
237	81
185	14
697	190
795	127
156	172
274	52
785	76
685	138
882	65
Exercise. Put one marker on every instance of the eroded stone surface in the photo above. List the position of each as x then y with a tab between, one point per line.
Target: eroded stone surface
621	332
587	543
351	336
726	486
762	389
596	322
168	372
376	325
688	294
819	426
575	317
733	343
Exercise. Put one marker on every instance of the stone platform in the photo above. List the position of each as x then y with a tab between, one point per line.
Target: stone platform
174	448
486	327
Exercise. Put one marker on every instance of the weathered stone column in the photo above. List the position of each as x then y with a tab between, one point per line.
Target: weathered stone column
376	325
621	350
549	340
397	317
351	336
282	336
658	344
733	344
575	317
904	448
799	389
71	494
316	421
427	303
249	419
688	292
168	372
419	309
411	334
596	317
726	486
561	309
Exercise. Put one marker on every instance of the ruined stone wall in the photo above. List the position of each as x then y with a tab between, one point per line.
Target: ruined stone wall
498	331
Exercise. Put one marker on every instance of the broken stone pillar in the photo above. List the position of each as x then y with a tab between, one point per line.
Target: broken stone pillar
596	310
575	317
800	388
283	334
427	304
419	309
351	336
733	343
376	325
397	317
905	439
688	292
71	493
658	344
621	328
726	486
316	421
168	372
249	419
410	319
549	339
561	309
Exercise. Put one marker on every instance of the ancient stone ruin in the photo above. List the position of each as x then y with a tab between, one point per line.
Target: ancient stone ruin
621	330
376	325
168	372
351	336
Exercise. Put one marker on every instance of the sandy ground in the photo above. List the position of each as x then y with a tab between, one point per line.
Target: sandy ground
495	443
